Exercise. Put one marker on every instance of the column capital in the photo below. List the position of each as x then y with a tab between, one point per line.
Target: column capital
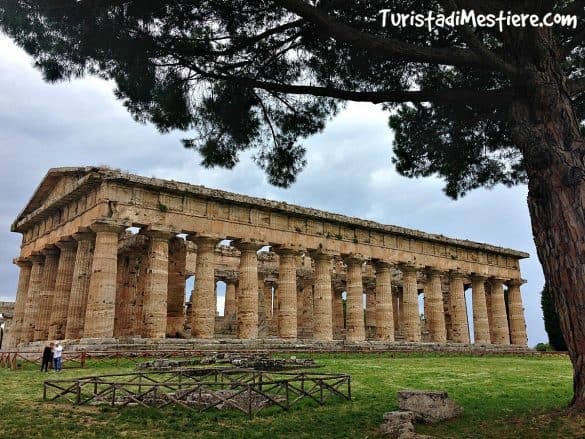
478	277
457	274
84	234
497	280
108	225
287	249
159	233
354	259
22	262
66	243
200	239
50	250
322	254
516	282
381	265
247	244
37	258
407	267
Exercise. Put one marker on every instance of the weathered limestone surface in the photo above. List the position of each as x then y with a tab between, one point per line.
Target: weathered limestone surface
122	284
25	267
58	321
428	406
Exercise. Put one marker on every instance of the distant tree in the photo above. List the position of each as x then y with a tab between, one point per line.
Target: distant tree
552	323
476	107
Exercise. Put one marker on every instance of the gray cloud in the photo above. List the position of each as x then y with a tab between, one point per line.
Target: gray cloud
349	170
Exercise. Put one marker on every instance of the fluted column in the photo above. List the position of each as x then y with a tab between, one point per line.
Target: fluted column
322	299
80	285
410	314
101	300
230	308
434	310
458	308
47	293
371	312
517	322
384	308
25	266
396	310
32	298
499	319
176	288
481	329
287	289
63	282
337	306
203	298
157	282
247	297
355	324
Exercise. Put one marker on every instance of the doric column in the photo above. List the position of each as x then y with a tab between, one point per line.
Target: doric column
354	306
80	285
43	315
488	305
499	319
25	266
322	299
203	298
458	308
434	311
58	321
230	308
247	297
32	298
517	322
481	329
287	290
337	305
410	314
154	309
176	288
384	308
396	310
371	311
101	299
267	291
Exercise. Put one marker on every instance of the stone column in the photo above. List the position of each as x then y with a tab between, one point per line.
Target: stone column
499	319
80	285
247	314
337	305
323	299
63	283
384	306
517	322
287	290
488	305
370	312
396	310
434	311
101	299
43	315
154	309
411	316
458	308
32	298
176	288
230	309
481	329
356	330
203	298
25	266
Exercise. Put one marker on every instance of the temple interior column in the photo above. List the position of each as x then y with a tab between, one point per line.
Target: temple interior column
79	285
323	298
157	281
287	292
262	307
434	312
488	305
307	313
384	309
176	288
337	310
47	292
396	310
230	303
25	269
411	316
370	312
58	321
481	330
354	303
300	304
203	298
101	299
32	301
247	297
499	318
123	296
458	308
267	303
517	323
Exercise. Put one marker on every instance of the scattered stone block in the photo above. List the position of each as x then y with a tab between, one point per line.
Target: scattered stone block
399	425
429	407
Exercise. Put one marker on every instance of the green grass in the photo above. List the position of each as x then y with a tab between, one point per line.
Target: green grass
502	397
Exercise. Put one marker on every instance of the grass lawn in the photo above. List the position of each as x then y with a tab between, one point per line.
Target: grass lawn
503	397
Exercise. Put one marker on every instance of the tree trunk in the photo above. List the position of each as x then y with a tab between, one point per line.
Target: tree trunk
547	132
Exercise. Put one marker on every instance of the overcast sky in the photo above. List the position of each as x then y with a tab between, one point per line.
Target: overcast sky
349	169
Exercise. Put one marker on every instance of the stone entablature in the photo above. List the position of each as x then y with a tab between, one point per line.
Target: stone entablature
83	274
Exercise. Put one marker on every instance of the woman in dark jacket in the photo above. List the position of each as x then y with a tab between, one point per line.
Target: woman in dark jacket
47	357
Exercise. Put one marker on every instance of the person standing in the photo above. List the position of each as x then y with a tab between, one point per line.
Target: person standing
58	357
47	357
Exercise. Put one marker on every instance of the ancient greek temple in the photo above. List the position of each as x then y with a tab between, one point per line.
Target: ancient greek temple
106	254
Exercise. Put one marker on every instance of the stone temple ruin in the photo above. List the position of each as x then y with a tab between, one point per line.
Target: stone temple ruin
85	275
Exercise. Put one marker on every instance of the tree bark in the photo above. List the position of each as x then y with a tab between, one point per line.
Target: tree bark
546	130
